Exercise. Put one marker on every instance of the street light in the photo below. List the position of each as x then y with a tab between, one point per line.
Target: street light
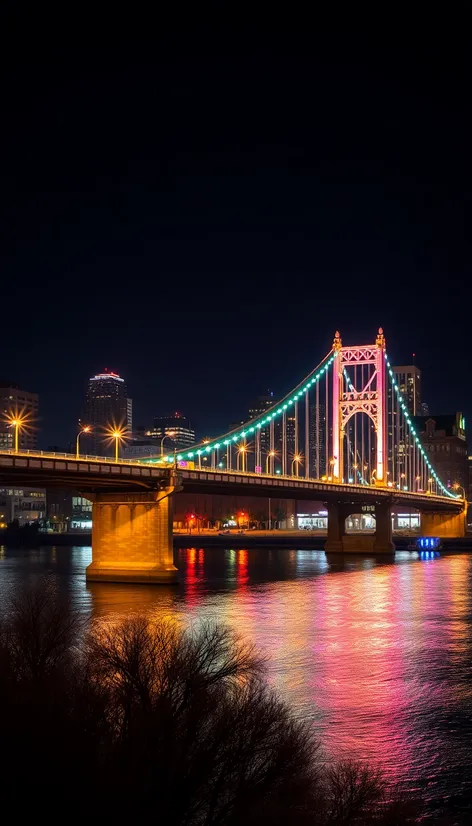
118	434
270	455
242	449
169	435
457	486
16	422
296	461
85	429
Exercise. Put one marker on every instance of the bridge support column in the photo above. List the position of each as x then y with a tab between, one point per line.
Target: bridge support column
383	543
444	525
336	527
132	537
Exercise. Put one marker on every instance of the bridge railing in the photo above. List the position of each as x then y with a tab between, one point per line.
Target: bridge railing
325	482
83	457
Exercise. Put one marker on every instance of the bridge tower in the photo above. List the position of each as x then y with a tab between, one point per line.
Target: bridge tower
364	391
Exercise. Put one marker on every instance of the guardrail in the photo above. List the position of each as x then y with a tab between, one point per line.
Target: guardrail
324	483
84	457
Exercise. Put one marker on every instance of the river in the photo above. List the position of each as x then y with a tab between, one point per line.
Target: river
375	654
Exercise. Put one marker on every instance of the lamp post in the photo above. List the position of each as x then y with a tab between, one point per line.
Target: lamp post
85	429
241	452
169	435
270	455
456	486
118	434
16	423
295	461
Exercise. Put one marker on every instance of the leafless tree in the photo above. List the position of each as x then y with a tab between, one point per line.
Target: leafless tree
39	629
143	719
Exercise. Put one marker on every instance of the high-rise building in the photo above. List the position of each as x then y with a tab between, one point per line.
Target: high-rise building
106	405
258	408
129	415
176	428
444	439
260	405
17	402
408	379
290	439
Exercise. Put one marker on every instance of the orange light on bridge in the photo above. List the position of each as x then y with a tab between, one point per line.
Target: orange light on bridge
457	486
242	450
85	429
18	421
296	461
118	434
271	455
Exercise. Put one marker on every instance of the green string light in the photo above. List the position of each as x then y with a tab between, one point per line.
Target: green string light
270	416
418	442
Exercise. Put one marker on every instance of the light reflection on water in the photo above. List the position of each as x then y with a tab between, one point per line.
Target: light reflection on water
376	655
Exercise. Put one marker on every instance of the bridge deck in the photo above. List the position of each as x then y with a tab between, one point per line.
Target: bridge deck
98	473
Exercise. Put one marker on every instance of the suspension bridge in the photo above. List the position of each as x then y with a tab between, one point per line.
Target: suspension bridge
346	422
343	436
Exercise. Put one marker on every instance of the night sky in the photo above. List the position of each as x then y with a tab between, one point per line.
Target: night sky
200	213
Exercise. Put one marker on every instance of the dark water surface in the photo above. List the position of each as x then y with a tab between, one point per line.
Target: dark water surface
376	655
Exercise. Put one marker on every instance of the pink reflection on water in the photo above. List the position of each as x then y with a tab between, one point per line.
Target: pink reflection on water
359	655
377	657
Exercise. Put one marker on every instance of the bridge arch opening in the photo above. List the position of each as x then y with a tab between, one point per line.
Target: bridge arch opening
360	522
405	520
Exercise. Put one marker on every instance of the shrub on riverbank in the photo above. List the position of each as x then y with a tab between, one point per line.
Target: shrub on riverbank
141	719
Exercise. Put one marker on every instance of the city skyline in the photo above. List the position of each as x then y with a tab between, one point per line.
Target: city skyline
133	426
235	481
208	248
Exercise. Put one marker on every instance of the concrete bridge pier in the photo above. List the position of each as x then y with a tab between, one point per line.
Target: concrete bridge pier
132	537
379	543
336	526
444	525
383	543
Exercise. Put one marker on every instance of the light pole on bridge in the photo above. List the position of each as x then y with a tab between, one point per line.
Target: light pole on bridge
16	423
296	461
118	434
271	454
242	449
85	429
456	486
169	435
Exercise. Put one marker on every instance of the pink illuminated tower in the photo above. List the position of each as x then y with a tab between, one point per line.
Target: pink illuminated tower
359	387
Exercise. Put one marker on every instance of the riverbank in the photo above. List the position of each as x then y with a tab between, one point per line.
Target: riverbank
253	539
